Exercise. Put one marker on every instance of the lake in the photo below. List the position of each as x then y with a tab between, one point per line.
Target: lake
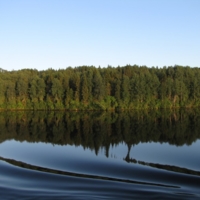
104	155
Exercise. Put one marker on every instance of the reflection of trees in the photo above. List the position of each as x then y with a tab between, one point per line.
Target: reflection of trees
100	130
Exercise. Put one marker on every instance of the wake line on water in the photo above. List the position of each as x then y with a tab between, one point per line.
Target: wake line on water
65	173
171	168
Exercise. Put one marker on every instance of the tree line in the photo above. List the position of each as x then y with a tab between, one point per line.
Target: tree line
91	88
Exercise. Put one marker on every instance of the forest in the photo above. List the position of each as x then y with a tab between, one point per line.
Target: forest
92	88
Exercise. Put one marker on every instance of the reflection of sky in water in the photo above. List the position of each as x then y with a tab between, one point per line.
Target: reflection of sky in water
66	157
183	156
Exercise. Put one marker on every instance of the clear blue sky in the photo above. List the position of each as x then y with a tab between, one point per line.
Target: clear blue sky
44	34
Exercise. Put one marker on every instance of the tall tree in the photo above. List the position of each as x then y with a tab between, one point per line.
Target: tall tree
98	86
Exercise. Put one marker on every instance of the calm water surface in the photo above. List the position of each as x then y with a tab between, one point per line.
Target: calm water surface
104	156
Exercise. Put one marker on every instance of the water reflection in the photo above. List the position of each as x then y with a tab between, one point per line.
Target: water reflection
94	130
103	131
53	171
148	151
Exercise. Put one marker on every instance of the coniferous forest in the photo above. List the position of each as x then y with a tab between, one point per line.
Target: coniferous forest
91	88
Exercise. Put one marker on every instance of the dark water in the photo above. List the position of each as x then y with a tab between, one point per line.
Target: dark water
61	155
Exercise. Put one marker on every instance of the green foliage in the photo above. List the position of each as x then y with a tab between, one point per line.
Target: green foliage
90	88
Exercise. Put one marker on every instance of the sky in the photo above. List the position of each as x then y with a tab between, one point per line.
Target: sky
43	34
